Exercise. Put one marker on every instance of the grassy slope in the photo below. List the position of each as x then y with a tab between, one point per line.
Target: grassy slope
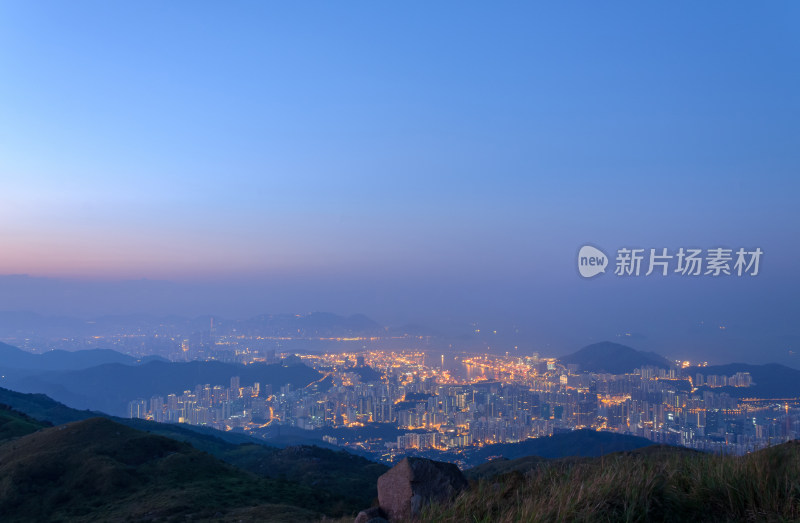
651	485
501	466
15	424
100	470
42	407
350	480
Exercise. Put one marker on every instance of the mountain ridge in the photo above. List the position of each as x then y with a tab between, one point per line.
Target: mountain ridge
15	358
110	387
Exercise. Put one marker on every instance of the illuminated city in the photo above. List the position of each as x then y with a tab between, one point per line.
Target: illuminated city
448	404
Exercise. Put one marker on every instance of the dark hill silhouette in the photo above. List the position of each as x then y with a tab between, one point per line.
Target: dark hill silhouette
109	388
580	443
42	407
14	424
15	358
349	478
98	469
613	358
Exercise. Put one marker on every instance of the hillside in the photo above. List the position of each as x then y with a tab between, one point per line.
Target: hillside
15	358
351	479
613	358
99	469
42	407
502	466
581	443
15	424
109	388
659	484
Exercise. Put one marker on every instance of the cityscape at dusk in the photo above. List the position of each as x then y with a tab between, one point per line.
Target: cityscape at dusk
399	262
499	400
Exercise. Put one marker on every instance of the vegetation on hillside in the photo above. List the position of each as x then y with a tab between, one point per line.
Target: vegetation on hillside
350	480
15	424
100	470
657	484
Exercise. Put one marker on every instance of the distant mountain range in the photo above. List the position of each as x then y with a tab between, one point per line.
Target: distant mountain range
613	358
106	380
15	358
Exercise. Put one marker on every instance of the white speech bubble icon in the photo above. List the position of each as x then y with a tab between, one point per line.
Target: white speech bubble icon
591	261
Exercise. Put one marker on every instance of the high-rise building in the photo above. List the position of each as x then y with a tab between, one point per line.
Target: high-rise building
137	409
235	386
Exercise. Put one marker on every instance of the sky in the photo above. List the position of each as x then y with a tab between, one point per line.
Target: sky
411	161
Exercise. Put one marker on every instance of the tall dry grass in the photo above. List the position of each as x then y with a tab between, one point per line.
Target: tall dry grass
639	487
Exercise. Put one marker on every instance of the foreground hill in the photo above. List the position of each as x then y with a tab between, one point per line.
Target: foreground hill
654	484
15	424
613	358
98	469
42	407
350	479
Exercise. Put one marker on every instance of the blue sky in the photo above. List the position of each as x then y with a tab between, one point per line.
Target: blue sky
359	145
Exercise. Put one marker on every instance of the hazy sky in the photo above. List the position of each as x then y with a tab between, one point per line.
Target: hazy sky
400	159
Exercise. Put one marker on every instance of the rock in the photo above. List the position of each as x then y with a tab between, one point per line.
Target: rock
371	515
415	482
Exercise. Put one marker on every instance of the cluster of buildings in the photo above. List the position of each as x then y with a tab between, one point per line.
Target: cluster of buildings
224	408
389	404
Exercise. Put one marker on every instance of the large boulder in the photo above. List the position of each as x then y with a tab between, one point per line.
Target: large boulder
414	482
371	515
